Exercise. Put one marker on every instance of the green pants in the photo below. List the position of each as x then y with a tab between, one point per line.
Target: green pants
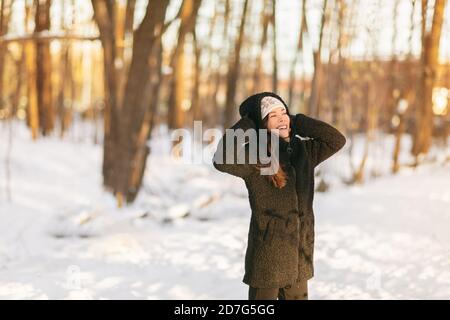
297	291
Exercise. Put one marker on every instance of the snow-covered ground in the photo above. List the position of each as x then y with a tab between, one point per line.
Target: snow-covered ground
61	236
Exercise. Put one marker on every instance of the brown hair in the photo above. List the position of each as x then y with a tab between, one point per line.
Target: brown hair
278	179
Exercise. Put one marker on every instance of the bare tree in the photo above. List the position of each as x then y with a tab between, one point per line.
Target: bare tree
5	13
197	111
66	84
213	75
44	69
30	57
274	48
4	17
401	104
188	16
299	50
233	71
258	72
430	54
127	123
313	106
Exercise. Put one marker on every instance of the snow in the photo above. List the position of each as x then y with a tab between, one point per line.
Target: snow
62	237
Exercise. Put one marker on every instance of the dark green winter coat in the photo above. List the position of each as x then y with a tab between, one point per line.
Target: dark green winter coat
280	244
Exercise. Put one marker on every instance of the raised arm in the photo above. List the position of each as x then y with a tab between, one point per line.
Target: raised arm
326	140
229	163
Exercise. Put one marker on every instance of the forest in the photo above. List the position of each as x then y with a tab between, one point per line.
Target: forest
127	67
93	91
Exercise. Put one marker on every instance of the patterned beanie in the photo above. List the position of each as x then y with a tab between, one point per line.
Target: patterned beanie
269	103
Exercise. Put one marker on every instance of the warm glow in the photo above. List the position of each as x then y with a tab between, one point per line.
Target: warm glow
395	121
21	114
402	106
186	104
55	47
440	101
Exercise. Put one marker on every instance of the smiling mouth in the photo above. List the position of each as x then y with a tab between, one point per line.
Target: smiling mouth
282	128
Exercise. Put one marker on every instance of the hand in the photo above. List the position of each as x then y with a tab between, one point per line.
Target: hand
244	123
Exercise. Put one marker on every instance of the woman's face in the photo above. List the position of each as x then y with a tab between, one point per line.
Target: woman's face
279	119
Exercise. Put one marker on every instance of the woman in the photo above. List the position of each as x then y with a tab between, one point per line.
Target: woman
279	256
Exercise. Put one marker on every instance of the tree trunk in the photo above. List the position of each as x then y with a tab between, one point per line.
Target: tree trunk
30	61
316	81
233	72
176	114
66	83
303	30
197	113
210	99
274	49
265	19
4	14
44	69
401	126
124	16
151	100
127	124
104	17
430	55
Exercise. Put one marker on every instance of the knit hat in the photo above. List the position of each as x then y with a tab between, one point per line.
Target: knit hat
269	103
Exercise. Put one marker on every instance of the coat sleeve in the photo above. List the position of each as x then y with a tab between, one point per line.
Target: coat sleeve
325	139
233	167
